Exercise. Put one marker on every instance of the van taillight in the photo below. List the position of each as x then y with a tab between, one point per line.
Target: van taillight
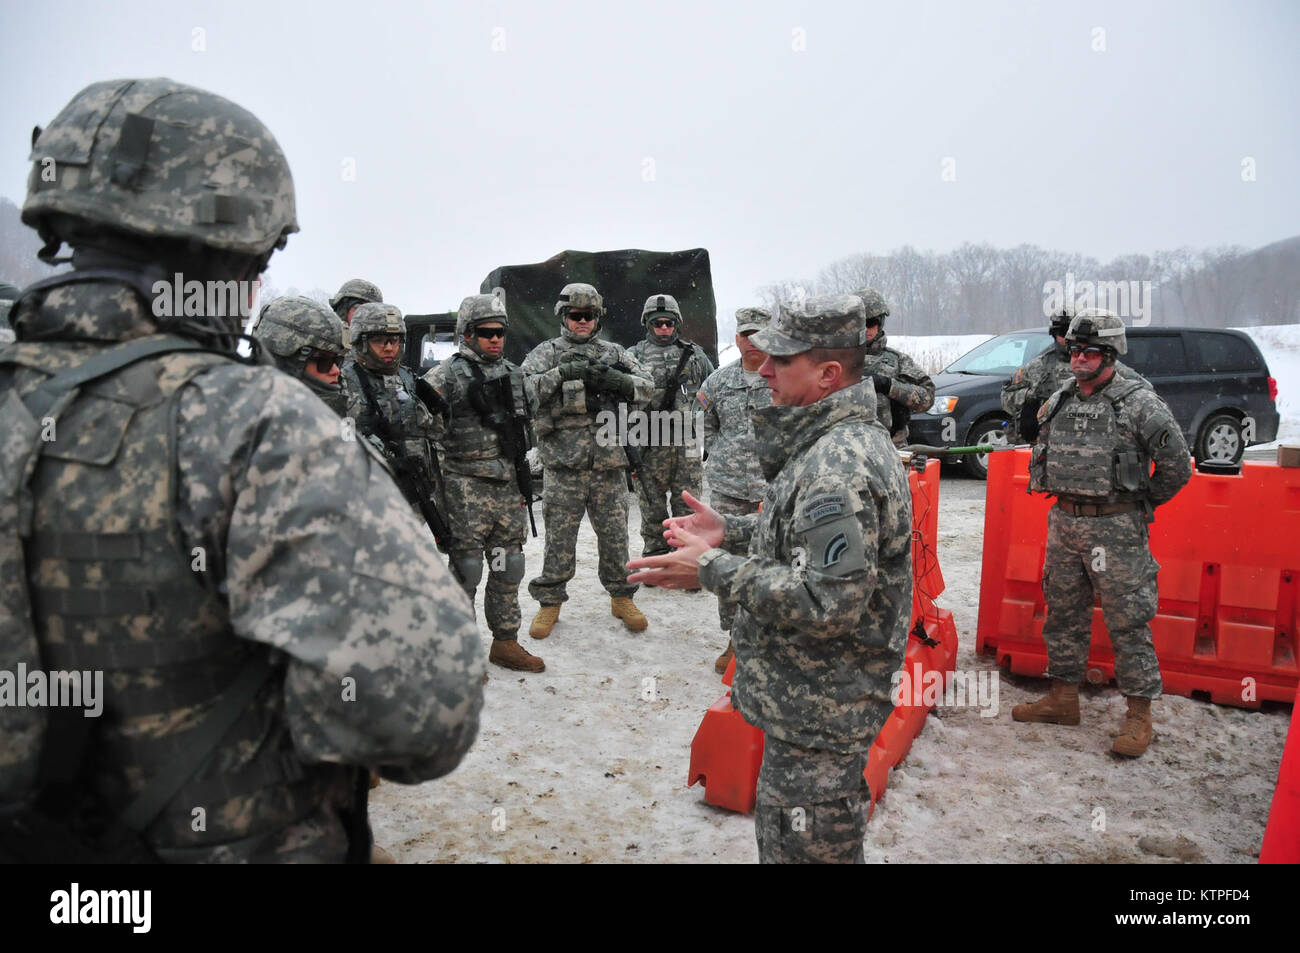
1272	389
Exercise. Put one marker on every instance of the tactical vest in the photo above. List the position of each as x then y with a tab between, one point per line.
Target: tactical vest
395	409
1091	450
113	589
662	360
569	409
470	445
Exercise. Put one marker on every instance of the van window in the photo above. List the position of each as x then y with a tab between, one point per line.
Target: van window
1225	352
1156	355
1002	355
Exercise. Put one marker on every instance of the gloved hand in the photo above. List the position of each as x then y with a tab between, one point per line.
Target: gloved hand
431	399
881	384
573	367
602	377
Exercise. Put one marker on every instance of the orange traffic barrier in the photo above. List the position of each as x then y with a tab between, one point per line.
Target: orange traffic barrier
1282	835
727	751
1229	562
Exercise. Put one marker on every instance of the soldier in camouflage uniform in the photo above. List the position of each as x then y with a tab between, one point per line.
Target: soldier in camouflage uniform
485	505
382	395
825	593
568	378
736	482
1041	377
306	342
678	368
1098	437
269	614
902	388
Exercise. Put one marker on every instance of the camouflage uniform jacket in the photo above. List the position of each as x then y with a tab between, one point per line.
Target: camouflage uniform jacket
254	528
661	360
910	386
466	444
825	593
728	396
1100	448
410	423
566	426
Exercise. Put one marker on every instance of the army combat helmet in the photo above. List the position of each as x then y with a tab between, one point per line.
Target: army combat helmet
480	309
159	159
181	174
1096	327
661	306
353	292
581	297
293	329
372	320
875	304
1060	323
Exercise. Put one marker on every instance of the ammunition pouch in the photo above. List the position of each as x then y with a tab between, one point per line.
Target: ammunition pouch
1132	474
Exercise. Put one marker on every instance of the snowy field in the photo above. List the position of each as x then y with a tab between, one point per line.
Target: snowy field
587	761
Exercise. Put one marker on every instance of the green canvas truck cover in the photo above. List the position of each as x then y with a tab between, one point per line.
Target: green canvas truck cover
624	279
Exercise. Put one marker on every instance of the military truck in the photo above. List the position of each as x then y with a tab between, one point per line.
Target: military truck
624	279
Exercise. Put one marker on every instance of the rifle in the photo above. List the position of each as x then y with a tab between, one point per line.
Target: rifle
494	400
675	381
603	400
410	471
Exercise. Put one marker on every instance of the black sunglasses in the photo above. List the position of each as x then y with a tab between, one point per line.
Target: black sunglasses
489	333
663	323
325	362
873	322
1076	350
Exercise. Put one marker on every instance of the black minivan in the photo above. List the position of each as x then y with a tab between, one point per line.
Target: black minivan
1214	380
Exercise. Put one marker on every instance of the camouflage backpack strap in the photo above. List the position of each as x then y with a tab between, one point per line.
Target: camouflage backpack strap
20	450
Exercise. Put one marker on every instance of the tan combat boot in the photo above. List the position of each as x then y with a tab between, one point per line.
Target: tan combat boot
720	666
622	607
1060	706
1136	733
544	621
508	653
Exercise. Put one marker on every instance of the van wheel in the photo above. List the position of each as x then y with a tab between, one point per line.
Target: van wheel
1221	440
991	431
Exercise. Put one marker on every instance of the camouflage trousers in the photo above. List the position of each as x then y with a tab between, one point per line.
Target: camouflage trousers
812	805
731	506
665	472
1107	557
602	495
487	518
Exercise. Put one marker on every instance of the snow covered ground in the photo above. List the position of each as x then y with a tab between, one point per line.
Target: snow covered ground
587	761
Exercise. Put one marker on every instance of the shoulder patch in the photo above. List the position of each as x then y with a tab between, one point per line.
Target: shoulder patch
824	507
703	399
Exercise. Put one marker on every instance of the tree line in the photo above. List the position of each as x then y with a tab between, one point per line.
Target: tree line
981	289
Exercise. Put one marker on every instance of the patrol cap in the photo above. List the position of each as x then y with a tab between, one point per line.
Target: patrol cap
752	319
831	321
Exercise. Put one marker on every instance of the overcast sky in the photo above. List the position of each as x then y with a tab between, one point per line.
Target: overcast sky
779	135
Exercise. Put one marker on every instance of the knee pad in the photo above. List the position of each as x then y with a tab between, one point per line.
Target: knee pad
468	569
513	572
